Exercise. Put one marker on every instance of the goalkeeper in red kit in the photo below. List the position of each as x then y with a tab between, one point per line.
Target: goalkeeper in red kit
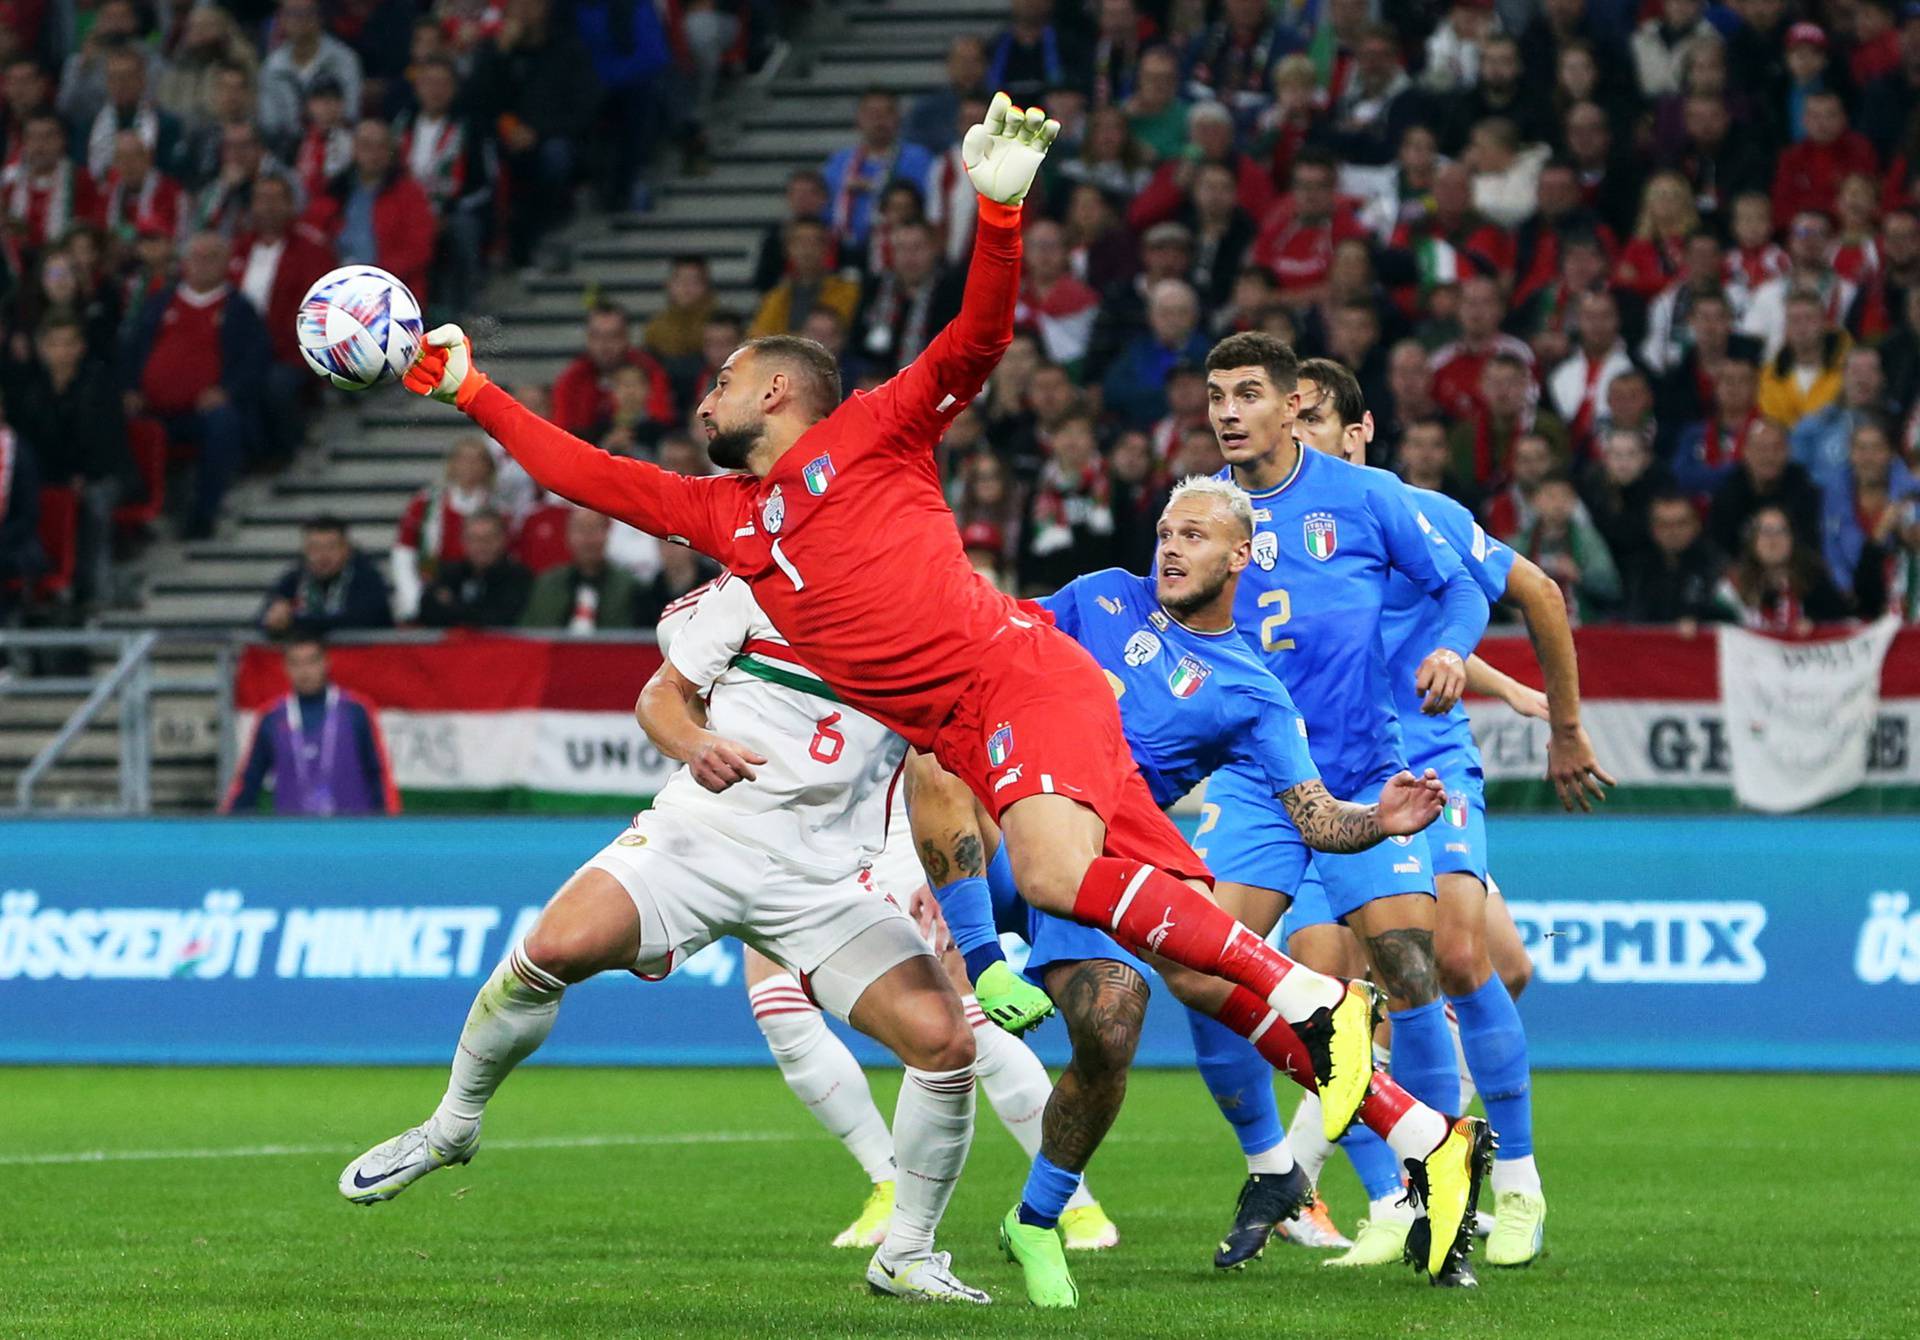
837	519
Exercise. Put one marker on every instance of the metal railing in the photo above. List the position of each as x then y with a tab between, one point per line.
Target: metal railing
133	680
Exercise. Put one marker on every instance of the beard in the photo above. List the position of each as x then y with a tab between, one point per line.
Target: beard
730	447
1203	593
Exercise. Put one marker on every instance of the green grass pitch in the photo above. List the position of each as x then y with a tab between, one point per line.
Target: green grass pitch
655	1203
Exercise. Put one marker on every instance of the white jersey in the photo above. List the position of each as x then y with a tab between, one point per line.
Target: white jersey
822	799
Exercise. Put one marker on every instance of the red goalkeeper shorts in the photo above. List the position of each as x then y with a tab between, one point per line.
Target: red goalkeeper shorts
1039	718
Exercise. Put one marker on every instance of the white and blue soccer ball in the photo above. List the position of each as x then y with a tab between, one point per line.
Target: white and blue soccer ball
359	326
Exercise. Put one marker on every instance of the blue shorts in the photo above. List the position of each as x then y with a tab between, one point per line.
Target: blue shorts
1052	939
1354	879
1309	908
1245	836
1458	838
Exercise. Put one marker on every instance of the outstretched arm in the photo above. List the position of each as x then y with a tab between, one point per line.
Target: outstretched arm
1002	155
1489	682
699	512
1407	804
1571	765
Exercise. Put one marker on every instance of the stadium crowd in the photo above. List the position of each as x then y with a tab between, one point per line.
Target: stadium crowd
1641	285
176	175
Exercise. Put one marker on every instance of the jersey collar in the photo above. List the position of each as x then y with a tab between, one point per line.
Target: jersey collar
1189	628
1299	464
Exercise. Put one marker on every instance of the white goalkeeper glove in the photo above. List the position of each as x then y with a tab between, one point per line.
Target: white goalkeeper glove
1003	152
444	368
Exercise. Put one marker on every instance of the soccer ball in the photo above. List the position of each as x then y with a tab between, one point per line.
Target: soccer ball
358	326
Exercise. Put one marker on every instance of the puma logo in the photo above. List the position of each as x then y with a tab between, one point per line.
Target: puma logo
1158	935
1011	776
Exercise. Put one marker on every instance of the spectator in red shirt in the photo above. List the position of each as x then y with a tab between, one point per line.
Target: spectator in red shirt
275	262
1297	236
1458	367
1652	260
1809	173
45	192
1210	140
197	361
582	396
137	193
376	213
1054	302
1876	40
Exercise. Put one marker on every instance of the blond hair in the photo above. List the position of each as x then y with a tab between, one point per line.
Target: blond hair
1224	491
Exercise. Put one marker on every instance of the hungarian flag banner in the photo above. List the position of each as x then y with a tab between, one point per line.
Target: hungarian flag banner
495	721
1651	700
490	720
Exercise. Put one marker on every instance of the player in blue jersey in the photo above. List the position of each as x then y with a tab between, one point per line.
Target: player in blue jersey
1193	698
1328	535
1333	420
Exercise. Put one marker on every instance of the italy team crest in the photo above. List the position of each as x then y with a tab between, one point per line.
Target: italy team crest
1000	744
818	474
1188	676
1322	540
1456	811
773	512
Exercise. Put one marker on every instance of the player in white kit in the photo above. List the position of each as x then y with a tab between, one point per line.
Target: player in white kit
760	836
826	1078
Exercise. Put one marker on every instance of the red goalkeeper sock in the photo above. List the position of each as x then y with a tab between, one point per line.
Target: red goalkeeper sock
1148	909
1411	1128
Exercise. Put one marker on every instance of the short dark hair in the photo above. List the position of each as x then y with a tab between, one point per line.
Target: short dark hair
325	522
1316	158
493	514
1256	348
1342	388
303	635
607	307
1667	497
688	258
815	365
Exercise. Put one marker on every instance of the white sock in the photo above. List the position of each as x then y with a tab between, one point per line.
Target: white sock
1308	1136
1520	1174
822	1073
1016	1084
1418	1133
1303	991
1279	1159
932	1130
1468	1091
510	1017
1390	1209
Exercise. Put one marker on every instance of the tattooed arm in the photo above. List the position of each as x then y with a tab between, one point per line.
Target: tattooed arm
1407	804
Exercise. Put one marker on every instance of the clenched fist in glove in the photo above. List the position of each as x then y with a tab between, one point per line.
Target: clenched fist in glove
1003	152
444	368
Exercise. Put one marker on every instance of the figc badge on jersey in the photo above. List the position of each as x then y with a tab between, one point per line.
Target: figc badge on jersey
1000	744
1188	676
1142	647
1321	538
773	512
818	474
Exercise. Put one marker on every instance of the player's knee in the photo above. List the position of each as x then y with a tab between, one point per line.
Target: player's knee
571	950
1517	976
1048	879
937	1040
1460	962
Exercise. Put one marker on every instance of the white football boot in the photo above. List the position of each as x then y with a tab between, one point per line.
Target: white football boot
392	1166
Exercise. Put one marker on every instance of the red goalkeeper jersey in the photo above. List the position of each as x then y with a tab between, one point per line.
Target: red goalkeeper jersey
848	541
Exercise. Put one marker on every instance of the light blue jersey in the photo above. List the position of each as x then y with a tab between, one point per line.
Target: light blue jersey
1190	702
1325	541
1410	626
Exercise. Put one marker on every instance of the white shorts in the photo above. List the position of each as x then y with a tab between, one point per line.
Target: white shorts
693	884
898	871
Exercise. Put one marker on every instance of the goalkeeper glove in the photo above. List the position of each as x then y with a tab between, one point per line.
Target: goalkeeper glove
1003	152
1010	1000
444	368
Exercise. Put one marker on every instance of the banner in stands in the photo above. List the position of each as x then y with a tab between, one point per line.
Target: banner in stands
1731	943
496	721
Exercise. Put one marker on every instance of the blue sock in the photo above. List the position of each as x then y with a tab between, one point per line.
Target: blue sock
1373	1162
1496	1046
968	907
1240	1080
1049	1188
1423	1058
